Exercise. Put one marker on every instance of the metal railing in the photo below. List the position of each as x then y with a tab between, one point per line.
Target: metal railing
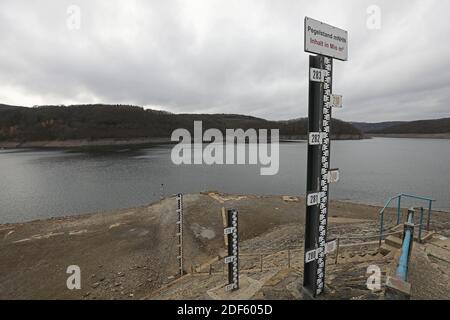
399	200
285	256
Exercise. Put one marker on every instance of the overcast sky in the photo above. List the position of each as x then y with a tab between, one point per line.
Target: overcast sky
225	56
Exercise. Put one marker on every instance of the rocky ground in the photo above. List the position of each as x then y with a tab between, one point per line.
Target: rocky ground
131	254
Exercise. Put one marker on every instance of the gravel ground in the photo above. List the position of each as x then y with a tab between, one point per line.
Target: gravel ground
128	254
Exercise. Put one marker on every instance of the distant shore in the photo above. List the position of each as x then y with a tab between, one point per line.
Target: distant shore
79	143
82	143
412	135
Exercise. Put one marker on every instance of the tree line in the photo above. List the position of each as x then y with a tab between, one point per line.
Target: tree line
99	121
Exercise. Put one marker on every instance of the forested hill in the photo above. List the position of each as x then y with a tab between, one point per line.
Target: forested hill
46	123
368	127
8	107
417	127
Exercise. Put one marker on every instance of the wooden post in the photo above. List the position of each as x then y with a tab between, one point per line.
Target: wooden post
261	262
337	251
289	257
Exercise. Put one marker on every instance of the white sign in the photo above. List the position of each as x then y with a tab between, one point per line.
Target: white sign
229	259
230	287
326	40
317	75
230	230
331	246
311	256
336	101
313	199
333	175
315	138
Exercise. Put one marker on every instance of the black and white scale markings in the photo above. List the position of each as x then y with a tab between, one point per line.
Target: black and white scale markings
233	251
325	166
180	232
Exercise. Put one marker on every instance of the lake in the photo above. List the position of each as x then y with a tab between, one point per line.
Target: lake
37	184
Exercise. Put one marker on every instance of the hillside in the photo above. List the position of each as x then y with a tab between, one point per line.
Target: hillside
421	126
8	107
368	127
92	122
435	126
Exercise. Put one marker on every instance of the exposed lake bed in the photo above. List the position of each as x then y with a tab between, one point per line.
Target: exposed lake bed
131	253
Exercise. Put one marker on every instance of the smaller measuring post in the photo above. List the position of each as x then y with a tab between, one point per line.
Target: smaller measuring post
180	232
232	260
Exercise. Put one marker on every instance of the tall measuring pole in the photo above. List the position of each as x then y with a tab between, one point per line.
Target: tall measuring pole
319	174
180	233
313	173
328	42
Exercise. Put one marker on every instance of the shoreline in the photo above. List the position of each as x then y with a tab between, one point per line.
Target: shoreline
81	143
441	136
84	215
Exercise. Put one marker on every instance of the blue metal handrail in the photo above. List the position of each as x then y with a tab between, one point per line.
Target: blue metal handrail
399	199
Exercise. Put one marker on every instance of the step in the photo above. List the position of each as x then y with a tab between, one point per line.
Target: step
394	242
386	249
399	227
425	235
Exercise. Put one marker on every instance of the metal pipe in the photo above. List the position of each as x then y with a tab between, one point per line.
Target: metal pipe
416	197
388	203
399	208
407	196
402	268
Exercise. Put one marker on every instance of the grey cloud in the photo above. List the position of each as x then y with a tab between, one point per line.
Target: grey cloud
225	56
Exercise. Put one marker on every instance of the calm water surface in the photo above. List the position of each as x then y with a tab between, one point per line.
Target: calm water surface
36	184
